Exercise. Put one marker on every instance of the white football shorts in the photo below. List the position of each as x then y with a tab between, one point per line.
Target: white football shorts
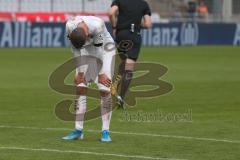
91	64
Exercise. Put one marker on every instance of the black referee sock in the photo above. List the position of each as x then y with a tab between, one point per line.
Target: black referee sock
121	68
126	80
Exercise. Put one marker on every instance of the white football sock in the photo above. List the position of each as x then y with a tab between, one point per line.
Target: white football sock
106	111
81	104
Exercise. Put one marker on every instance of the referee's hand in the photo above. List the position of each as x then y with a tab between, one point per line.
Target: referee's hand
114	33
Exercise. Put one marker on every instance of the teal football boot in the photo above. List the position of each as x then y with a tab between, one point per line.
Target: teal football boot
105	136
74	135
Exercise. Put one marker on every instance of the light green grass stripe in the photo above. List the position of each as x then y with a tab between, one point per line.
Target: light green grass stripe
86	152
131	133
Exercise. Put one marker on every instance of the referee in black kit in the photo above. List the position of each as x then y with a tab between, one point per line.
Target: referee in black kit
128	17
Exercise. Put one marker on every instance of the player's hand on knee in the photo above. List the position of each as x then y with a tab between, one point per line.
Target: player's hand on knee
79	78
103	79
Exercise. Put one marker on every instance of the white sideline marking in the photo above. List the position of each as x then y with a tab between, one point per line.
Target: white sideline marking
179	137
86	152
132	133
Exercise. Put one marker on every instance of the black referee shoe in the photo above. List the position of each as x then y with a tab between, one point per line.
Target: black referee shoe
120	102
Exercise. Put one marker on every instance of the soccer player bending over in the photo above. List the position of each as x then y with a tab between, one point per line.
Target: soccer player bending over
88	35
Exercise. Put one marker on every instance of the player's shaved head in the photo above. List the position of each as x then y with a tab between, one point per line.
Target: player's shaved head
78	37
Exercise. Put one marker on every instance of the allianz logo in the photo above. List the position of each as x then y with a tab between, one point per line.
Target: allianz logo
189	34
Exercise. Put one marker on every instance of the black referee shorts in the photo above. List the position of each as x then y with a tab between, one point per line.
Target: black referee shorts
129	44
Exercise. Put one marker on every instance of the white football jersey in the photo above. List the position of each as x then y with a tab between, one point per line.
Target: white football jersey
98	35
97	29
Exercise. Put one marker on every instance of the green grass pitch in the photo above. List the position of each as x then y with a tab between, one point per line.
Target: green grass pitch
206	81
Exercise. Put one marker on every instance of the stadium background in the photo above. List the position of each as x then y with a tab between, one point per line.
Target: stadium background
176	22
198	120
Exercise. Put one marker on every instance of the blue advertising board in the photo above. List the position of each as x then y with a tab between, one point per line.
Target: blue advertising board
20	34
32	35
181	34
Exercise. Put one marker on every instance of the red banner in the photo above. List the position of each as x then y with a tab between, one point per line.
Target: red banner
6	16
44	17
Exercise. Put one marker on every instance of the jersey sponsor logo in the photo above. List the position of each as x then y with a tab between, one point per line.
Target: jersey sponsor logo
100	38
189	34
